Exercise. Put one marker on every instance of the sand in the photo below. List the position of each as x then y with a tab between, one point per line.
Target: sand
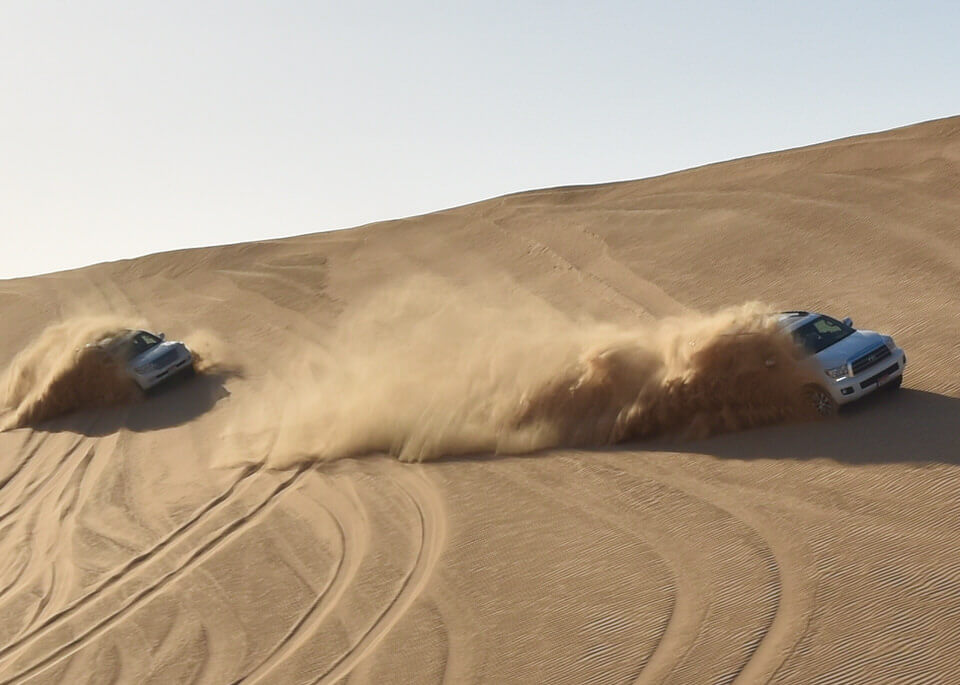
371	481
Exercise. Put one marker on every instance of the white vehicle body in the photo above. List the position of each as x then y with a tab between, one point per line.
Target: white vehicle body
148	359
854	363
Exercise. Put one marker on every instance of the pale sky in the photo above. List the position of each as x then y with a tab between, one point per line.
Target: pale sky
133	127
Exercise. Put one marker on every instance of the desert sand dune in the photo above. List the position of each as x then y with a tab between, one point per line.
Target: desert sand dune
156	541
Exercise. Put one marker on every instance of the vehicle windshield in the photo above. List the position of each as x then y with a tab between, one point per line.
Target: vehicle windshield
821	333
133	344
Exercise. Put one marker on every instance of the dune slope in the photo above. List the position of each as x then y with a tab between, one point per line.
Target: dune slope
152	541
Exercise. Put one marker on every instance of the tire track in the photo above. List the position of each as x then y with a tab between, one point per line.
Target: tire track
30	434
688	612
353	540
210	507
589	255
788	558
118	301
605	291
9	478
34	565
222	536
285	319
39	485
696	570
15	581
68	505
430	511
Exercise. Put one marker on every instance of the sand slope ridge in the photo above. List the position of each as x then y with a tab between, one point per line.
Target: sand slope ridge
614	487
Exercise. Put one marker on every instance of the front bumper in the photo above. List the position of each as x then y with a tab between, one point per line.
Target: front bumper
156	376
869	380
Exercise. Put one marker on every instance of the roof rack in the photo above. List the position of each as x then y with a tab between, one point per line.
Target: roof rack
796	312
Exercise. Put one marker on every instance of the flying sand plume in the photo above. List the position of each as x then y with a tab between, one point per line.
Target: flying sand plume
61	373
58	374
420	375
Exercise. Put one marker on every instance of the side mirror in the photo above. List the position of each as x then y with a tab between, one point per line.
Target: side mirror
162	336
848	321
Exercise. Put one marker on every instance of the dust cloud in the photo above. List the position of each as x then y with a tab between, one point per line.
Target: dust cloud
425	371
61	372
211	355
58	374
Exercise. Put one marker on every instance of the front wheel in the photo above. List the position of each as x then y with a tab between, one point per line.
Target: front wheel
894	384
820	400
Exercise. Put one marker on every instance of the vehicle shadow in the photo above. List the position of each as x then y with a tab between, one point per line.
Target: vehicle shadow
907	426
176	403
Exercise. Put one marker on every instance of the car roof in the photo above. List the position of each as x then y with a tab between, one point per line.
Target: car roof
121	337
792	320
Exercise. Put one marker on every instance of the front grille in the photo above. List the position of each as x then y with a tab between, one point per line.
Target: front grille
870	358
166	358
873	379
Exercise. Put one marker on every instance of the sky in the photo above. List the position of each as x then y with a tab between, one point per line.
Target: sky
134	127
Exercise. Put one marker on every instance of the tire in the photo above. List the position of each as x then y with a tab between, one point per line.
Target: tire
895	384
820	401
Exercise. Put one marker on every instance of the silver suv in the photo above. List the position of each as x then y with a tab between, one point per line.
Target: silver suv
147	358
854	363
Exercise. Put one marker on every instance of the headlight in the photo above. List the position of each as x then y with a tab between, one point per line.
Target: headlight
838	373
888	341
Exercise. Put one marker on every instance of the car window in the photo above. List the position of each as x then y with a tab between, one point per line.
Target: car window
142	342
824	325
148	340
821	333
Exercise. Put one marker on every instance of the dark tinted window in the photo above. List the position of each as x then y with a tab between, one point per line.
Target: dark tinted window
130	345
821	333
142	342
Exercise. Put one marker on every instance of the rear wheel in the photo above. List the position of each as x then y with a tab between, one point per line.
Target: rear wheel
820	400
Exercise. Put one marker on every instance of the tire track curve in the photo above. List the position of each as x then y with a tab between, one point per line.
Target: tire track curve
352	542
788	557
221	537
119	575
429	506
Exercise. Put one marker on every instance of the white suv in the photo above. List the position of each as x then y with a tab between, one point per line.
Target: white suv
854	363
147	358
